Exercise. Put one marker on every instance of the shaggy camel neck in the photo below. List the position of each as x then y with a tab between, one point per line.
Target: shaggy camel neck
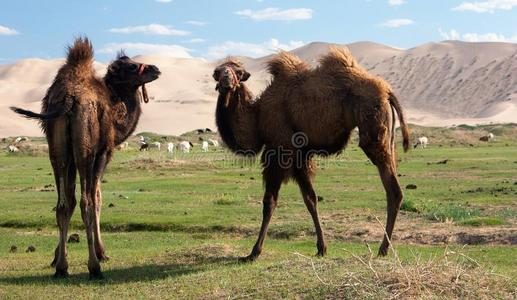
125	105
237	122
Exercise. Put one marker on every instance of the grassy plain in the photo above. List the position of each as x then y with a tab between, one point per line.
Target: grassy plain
174	225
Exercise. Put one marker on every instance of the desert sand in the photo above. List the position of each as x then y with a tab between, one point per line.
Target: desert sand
439	84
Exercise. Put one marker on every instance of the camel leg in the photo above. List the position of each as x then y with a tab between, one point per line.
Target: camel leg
64	169
374	140
64	211
100	165
272	182
394	197
303	178
88	188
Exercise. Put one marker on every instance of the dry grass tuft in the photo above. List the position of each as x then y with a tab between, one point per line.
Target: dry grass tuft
452	274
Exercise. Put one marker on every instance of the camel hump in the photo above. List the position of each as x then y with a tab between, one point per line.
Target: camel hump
339	56
286	64
80	53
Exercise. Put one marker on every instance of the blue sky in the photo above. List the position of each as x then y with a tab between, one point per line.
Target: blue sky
215	28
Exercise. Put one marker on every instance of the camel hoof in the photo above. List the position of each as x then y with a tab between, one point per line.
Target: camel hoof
96	275
103	258
322	250
61	274
383	251
248	259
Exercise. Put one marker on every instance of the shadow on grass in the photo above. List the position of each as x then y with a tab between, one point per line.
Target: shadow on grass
140	273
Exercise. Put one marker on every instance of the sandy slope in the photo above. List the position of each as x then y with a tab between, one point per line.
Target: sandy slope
439	84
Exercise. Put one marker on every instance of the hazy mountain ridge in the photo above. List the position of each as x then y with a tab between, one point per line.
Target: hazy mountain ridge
434	81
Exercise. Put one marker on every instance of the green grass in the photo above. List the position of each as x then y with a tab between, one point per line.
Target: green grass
170	265
178	224
483	221
442	212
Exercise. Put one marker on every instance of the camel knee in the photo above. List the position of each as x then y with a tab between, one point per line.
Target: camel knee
62	195
87	212
269	202
395	194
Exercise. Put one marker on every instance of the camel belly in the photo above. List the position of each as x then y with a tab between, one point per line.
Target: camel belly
325	123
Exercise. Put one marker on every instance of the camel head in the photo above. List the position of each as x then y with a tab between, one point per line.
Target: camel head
125	71
229	76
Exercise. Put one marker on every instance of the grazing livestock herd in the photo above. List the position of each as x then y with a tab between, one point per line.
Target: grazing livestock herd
183	146
340	92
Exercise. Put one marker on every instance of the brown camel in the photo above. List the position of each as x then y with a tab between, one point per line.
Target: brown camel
306	112
84	118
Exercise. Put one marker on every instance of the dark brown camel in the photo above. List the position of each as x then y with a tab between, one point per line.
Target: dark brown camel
304	112
84	118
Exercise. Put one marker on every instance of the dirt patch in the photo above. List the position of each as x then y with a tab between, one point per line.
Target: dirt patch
73	238
408	230
493	191
153	164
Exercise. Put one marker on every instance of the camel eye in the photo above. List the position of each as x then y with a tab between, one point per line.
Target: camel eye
133	68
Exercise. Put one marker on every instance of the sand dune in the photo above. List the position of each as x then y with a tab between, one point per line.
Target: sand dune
438	83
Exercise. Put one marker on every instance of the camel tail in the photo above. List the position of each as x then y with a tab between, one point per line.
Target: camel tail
32	115
403	126
80	53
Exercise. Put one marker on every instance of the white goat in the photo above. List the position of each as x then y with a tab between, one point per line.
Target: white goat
185	146
204	146
12	148
422	141
124	145
214	143
170	147
21	139
156	145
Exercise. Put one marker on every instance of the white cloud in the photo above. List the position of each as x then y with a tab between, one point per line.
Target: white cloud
196	40
394	23
196	23
143	48
250	49
476	37
276	14
396	2
163	1
451	35
155	29
7	31
486	6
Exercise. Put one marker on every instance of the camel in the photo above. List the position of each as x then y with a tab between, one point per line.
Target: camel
84	118
306	112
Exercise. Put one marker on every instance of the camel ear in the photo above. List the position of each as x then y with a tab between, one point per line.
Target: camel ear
113	68
245	76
